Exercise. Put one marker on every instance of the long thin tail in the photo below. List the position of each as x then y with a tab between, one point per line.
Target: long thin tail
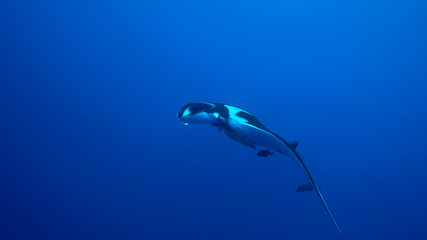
326	206
302	165
307	173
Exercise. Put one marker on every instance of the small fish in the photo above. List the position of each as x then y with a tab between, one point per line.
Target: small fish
307	187
265	153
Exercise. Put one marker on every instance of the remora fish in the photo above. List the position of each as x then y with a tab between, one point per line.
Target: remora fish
307	187
243	127
265	153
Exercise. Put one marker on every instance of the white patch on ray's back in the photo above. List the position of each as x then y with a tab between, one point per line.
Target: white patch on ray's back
186	112
233	113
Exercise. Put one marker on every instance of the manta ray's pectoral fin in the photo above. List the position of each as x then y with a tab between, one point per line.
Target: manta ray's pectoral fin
293	144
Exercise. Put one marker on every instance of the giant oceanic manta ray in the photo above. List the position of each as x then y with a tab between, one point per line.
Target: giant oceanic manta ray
243	127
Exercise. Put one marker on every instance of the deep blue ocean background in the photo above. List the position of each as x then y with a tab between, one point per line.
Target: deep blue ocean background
91	147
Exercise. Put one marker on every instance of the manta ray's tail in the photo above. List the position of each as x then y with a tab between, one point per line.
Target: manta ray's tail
326	206
307	173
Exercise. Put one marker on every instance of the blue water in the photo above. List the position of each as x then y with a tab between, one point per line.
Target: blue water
91	147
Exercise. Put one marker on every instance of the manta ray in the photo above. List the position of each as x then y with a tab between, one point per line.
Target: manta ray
243	127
